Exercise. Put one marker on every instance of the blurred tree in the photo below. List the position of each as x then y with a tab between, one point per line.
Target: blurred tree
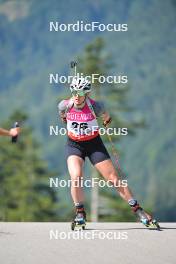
25	194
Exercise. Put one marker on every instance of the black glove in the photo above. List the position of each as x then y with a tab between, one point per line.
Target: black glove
63	117
105	123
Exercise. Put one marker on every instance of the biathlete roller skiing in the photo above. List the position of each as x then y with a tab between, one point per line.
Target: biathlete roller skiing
83	140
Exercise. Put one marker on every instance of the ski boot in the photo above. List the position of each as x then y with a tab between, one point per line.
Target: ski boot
144	217
79	222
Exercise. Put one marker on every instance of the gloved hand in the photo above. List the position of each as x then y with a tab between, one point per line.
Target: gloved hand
107	122
63	117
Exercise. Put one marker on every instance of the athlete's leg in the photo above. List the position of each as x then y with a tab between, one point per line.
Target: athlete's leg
108	171
75	168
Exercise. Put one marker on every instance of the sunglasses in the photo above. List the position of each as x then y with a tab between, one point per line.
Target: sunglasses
80	93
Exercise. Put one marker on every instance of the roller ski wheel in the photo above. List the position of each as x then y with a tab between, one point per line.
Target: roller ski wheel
152	224
147	220
72	226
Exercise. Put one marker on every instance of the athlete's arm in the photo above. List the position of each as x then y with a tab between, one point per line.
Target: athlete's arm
11	133
100	111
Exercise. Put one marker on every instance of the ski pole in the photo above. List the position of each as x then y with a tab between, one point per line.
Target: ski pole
73	65
15	138
115	154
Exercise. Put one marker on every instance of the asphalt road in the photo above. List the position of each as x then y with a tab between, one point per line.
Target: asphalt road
105	243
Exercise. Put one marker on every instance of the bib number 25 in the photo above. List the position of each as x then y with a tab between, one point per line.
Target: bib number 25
79	126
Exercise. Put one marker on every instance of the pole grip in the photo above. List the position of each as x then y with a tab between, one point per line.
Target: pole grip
73	64
15	138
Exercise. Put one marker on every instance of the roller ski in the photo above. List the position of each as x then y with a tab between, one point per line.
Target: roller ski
143	217
147	220
79	222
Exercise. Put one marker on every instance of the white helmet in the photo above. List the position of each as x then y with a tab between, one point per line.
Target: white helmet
80	84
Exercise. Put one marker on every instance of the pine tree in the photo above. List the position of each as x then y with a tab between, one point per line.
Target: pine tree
25	194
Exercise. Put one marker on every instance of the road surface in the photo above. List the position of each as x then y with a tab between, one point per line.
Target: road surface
104	243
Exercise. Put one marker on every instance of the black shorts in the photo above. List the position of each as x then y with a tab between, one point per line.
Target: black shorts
94	149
